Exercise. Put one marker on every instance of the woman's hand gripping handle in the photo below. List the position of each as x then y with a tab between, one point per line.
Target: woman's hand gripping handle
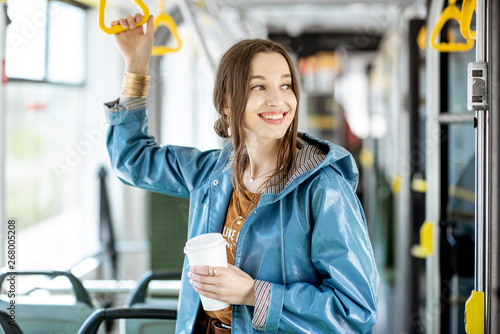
135	44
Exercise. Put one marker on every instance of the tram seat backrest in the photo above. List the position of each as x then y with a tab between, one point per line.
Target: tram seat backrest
52	314
92	324
138	299
7	326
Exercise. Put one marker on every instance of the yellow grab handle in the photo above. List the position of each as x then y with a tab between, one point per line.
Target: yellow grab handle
468	8
164	19
419	185
118	28
366	157
474	313
450	12
426	241
396	184
422	38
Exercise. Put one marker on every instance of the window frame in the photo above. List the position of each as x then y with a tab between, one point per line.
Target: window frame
47	46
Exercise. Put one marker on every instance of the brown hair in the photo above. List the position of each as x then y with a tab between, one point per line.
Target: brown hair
231	89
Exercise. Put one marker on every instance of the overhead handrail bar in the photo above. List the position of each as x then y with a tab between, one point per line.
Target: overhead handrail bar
118	28
163	18
451	12
198	36
468	8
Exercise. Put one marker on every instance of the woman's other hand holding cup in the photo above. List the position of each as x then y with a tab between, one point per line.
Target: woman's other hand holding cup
231	284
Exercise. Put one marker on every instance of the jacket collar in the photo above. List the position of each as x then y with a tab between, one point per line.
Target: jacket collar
314	154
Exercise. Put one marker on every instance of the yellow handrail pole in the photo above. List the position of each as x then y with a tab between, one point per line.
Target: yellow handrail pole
450	12
468	8
118	28
163	18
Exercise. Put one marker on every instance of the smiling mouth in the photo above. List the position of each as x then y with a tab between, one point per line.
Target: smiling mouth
273	116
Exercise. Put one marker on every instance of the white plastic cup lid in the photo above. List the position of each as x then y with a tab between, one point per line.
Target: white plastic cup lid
203	242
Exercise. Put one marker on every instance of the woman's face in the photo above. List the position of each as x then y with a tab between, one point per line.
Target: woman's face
271	104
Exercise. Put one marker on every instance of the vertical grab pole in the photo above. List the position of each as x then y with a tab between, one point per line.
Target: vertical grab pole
433	177
3	213
483	189
482	142
476	310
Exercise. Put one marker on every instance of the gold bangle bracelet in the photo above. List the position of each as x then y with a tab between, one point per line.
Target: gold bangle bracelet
135	85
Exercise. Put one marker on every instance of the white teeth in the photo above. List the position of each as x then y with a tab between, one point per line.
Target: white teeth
278	116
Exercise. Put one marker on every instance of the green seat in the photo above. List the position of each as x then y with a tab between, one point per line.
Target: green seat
7	326
138	299
93	323
52	314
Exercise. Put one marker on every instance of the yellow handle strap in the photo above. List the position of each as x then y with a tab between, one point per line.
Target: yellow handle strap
419	185
426	241
396	184
468	8
164	19
449	13
422	38
118	28
366	157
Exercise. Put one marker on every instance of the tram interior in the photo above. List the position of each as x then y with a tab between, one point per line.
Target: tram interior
363	70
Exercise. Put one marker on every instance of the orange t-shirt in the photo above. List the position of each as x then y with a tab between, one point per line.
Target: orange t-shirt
230	233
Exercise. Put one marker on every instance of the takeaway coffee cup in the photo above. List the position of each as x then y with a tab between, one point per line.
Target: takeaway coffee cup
208	250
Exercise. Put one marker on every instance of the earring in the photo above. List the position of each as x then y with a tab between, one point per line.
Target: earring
229	131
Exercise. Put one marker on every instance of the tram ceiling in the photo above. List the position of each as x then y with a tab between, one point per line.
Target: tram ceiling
253	3
309	43
321	15
305	25
317	19
370	17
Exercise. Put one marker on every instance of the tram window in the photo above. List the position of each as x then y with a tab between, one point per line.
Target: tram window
457	76
66	47
45	41
26	40
188	86
44	192
53	146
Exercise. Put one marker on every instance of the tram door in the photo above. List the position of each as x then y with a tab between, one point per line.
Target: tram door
457	192
465	262
451	167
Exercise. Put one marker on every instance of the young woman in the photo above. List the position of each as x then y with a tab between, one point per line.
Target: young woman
299	253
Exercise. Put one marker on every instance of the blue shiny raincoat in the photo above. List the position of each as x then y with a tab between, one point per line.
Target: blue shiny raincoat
309	241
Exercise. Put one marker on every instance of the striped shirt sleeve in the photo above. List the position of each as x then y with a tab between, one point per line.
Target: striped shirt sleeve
126	103
131	103
262	293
